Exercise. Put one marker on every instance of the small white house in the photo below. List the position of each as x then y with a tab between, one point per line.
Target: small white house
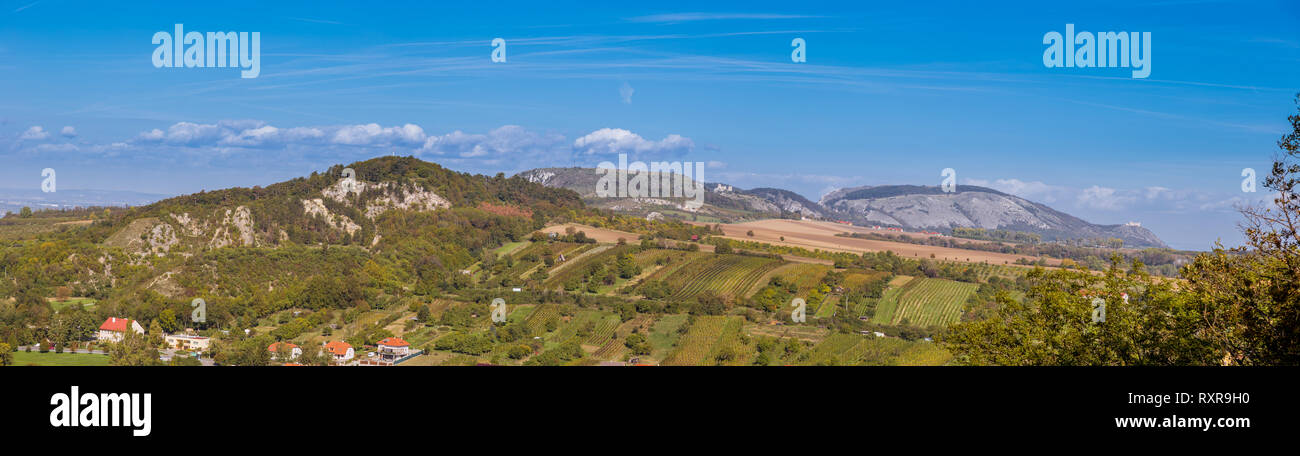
115	328
340	351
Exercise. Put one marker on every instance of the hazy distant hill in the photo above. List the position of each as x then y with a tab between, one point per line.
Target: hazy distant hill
907	206
13	200
978	207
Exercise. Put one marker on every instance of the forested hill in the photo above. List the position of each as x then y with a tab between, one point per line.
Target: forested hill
399	224
326	208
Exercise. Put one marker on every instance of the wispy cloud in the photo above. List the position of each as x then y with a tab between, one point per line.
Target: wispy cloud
694	17
29	5
1150	199
315	21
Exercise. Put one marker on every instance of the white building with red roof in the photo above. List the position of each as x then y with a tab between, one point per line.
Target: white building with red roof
115	328
394	347
340	351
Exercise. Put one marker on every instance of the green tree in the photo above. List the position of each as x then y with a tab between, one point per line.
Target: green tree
167	321
1249	297
133	350
1055	326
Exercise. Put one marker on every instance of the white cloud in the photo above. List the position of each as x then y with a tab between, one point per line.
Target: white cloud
254	134
35	133
373	134
612	141
1104	198
511	145
68	132
508	140
692	17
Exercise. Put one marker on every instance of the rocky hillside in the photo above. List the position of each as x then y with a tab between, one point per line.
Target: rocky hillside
906	206
721	201
920	207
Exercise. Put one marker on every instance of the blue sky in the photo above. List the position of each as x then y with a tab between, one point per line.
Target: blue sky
889	94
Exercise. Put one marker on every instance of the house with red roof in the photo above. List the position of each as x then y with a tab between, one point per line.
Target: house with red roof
393	348
114	329
340	351
293	349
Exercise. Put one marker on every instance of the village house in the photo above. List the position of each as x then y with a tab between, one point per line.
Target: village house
293	349
340	351
188	342
392	348
115	328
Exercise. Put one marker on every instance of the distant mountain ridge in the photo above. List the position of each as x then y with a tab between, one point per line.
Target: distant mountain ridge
922	207
915	207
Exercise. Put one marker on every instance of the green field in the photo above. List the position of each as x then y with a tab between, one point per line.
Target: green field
22	358
509	248
85	303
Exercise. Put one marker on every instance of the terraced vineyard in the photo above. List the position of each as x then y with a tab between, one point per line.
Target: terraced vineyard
536	322
836	350
888	303
576	266
927	302
828	307
703	341
604	330
725	274
522	268
804	275
572	326
851	349
612	348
